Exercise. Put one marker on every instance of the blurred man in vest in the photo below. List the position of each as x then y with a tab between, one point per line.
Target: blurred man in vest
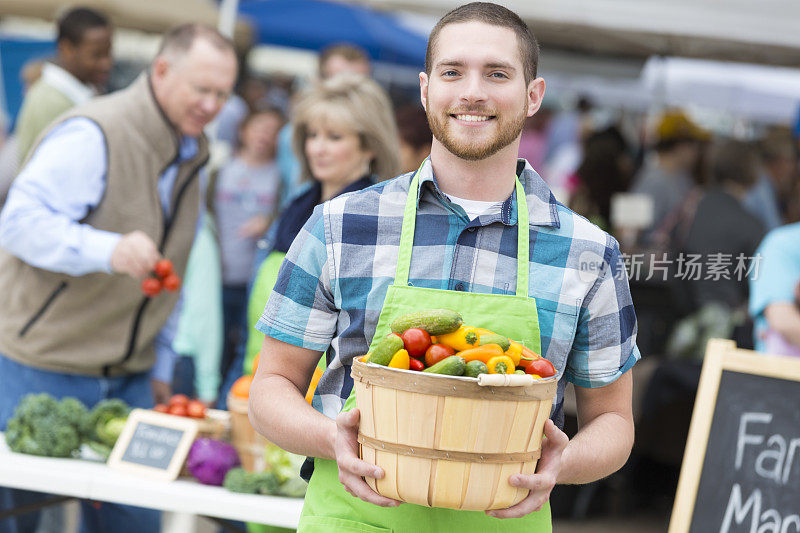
111	188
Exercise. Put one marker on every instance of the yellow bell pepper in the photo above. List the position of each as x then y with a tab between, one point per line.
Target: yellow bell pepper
400	360
464	338
502	364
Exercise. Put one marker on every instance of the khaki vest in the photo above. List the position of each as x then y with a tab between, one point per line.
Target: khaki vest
101	324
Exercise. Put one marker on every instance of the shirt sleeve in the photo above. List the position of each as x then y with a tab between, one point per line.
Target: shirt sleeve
604	347
775	270
62	181
301	309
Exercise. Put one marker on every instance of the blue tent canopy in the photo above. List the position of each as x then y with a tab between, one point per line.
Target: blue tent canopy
14	53
315	24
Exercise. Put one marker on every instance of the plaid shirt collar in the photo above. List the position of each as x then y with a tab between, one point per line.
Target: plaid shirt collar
542	205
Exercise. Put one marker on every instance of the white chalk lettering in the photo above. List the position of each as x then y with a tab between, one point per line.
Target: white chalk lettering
745	438
775	457
735	510
794	445
791	520
772	526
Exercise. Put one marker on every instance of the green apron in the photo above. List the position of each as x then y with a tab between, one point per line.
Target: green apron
328	507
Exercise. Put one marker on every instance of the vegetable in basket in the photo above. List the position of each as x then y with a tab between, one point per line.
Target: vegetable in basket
104	425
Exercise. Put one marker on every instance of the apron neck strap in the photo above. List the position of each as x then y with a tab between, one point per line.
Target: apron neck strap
409	225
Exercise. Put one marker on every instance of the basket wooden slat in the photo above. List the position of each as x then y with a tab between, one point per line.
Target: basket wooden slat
402	410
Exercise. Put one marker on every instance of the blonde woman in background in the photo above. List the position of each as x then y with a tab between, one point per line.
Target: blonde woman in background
345	138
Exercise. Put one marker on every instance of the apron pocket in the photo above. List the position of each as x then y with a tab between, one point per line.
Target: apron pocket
326	524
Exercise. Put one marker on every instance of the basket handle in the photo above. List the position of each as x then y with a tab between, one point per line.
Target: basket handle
505	380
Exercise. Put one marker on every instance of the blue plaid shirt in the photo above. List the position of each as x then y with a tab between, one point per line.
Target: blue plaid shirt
332	284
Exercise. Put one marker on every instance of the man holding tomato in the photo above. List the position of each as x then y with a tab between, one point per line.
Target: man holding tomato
471	205
109	190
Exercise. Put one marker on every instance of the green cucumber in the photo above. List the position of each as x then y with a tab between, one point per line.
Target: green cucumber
434	321
475	368
386	348
521	372
495	338
450	366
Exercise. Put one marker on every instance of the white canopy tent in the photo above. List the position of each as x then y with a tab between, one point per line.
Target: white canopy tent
764	32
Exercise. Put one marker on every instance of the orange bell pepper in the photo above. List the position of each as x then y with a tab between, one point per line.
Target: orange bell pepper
481	353
528	356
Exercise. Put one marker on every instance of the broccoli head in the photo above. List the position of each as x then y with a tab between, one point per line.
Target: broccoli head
42	425
240	480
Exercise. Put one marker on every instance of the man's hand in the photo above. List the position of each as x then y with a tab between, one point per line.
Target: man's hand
135	254
543	481
351	468
161	391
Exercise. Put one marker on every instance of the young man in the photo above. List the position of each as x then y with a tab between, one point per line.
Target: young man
111	188
479	86
78	72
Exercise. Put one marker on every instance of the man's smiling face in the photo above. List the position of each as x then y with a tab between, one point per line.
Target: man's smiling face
476	96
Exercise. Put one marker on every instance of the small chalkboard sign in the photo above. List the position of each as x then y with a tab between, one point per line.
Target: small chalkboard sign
741	468
153	444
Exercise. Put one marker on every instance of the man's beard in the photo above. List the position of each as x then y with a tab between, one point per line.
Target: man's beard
508	130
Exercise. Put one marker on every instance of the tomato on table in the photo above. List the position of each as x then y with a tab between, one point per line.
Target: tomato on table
196	409
179	399
178	410
437	352
416	341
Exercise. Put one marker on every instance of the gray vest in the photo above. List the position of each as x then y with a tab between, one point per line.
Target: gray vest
101	324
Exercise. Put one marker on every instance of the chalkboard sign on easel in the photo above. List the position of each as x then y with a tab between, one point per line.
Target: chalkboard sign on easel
741	468
153	444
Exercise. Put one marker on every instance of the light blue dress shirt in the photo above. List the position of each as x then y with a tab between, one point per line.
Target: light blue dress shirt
63	180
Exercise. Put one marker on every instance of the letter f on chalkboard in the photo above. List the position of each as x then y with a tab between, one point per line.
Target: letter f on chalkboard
745	438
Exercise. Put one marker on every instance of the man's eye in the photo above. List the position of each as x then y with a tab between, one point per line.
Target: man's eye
450	73
499	75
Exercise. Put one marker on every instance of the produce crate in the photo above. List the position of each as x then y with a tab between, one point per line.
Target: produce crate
249	443
445	441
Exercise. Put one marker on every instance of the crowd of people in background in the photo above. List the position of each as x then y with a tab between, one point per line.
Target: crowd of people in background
288	148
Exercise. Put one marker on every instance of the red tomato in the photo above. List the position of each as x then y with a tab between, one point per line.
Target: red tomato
196	409
437	352
416	341
541	367
164	268
172	283
161	408
178	410
179	399
151	287
416	364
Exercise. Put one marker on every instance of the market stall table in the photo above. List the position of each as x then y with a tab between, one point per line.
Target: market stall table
95	481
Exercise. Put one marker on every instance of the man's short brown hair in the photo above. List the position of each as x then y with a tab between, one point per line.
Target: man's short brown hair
494	15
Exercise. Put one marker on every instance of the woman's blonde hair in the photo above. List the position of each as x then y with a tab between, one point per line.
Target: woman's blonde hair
356	103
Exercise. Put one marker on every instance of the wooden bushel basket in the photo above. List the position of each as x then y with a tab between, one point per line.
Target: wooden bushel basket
247	441
446	441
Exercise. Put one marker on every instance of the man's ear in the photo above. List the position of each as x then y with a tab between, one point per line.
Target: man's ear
423	90
160	68
66	50
535	95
